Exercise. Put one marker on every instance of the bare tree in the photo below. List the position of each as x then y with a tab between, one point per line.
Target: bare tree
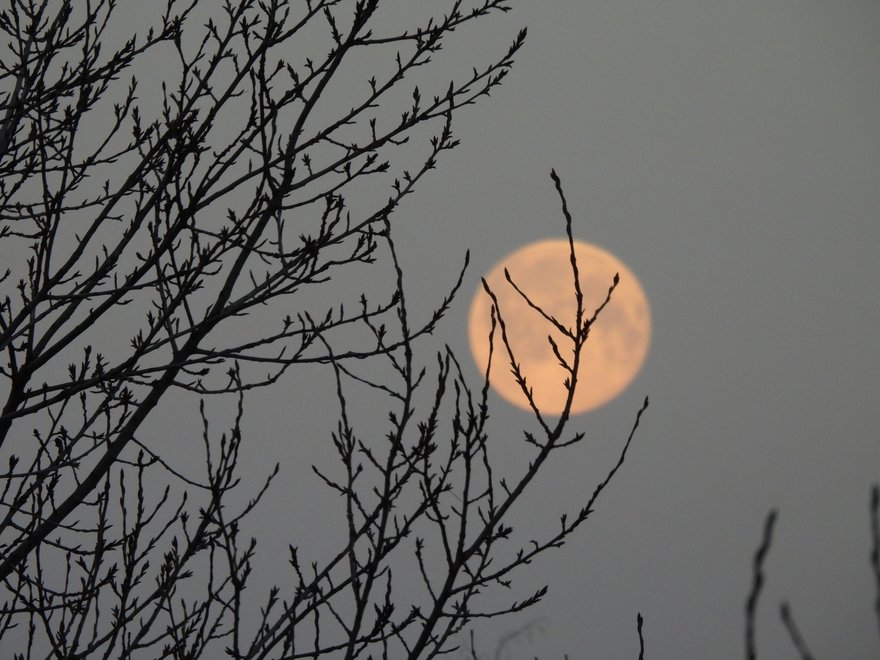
178	216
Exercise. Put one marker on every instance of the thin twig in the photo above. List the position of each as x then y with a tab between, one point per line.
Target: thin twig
639	622
875	548
757	583
793	632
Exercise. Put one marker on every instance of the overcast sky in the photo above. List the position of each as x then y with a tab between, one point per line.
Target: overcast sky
729	153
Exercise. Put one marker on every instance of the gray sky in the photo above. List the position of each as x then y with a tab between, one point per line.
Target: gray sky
729	153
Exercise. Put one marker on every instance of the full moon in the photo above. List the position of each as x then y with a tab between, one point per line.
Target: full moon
614	350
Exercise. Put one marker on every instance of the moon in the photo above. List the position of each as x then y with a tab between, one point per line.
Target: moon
614	351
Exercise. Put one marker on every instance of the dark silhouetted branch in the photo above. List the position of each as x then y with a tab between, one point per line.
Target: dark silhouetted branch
793	632
757	584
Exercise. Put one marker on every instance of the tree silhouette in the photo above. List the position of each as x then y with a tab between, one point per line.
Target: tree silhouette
173	217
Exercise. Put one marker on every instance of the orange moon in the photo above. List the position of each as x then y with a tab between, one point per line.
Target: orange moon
614	351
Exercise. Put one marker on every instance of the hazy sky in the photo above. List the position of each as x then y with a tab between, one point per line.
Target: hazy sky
729	153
